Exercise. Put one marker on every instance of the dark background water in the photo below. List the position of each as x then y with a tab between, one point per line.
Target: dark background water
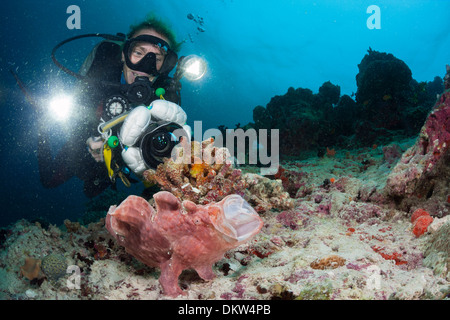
254	50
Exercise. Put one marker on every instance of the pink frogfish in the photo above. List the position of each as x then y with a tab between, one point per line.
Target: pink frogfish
181	235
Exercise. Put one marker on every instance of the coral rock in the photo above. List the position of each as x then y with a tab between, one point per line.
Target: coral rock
330	262
423	170
198	172
266	194
181	235
421	225
205	174
438	223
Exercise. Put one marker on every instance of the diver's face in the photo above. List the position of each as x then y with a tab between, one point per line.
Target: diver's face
139	51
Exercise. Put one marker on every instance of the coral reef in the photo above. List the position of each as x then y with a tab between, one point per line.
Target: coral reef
366	210
265	194
389	104
302	117
199	172
205	174
383	89
179	236
390	99
348	218
422	173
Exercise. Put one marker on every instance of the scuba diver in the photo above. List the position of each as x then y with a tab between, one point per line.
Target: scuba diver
124	80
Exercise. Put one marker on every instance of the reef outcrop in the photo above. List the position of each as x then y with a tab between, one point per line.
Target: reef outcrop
304	118
203	173
388	104
422	173
383	85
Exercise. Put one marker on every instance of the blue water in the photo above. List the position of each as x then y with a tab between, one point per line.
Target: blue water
254	50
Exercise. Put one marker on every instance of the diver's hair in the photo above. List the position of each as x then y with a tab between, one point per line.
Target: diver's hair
160	26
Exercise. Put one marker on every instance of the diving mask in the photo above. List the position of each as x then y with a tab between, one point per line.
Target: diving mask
138	59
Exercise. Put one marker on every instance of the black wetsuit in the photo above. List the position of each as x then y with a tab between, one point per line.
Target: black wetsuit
74	159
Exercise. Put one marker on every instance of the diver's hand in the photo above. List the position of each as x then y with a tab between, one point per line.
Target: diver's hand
140	117
95	148
136	124
167	111
134	160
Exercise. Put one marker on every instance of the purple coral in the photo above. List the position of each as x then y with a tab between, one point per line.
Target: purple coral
361	212
392	153
427	158
288	219
299	275
324	208
293	219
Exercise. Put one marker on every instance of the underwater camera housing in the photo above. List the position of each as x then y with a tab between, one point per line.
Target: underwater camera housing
158	140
